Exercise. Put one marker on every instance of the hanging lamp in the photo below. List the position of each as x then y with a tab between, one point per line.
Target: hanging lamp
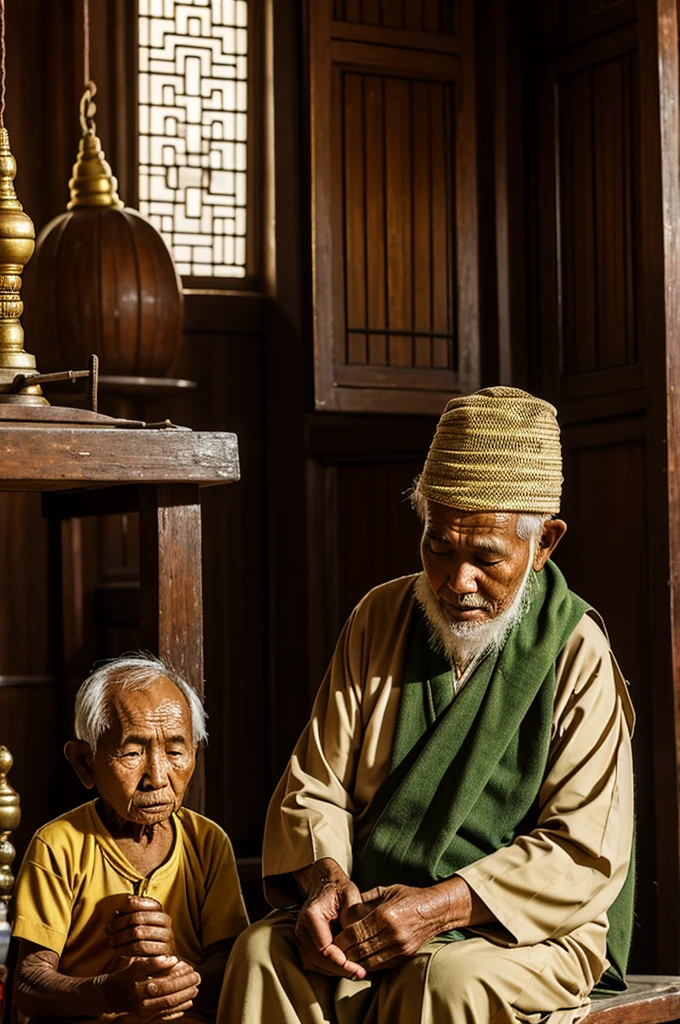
103	279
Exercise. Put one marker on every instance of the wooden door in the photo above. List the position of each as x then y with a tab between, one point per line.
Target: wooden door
605	295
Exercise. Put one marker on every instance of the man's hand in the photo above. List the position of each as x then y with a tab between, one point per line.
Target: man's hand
330	894
155	987
142	929
393	923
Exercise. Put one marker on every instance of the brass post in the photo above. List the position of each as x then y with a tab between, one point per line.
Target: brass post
17	242
10	816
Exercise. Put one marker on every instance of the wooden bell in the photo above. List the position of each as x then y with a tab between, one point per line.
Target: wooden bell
102	278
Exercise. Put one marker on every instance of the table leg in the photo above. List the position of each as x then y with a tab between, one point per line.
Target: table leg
171	590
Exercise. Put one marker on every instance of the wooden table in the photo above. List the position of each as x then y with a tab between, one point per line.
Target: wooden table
104	470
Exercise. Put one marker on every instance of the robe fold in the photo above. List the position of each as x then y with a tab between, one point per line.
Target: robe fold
554	882
466	772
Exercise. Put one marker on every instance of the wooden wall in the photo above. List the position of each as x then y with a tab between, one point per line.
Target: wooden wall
599	348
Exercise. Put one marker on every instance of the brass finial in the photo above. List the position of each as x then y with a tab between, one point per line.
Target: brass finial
10	816
93	183
17	242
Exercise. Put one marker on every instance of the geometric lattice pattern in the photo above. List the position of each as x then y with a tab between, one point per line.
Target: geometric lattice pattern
193	108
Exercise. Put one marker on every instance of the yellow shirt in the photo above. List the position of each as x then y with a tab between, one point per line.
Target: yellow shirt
74	877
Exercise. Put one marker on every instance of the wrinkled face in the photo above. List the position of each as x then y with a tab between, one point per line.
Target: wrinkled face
144	761
474	561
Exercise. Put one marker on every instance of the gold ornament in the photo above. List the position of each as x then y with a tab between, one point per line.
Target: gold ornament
17	242
93	183
10	816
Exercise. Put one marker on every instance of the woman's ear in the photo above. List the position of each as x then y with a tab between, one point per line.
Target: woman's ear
79	756
553	532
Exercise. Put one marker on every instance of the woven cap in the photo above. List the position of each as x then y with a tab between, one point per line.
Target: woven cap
497	450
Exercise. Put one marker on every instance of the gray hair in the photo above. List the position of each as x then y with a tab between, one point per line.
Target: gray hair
529	524
130	672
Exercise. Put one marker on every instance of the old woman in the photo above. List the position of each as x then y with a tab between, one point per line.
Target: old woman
129	904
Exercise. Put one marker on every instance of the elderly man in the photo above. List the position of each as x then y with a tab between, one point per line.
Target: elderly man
456	819
129	905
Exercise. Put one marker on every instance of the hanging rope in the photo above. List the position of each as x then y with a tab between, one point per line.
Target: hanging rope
88	109
3	70
86	41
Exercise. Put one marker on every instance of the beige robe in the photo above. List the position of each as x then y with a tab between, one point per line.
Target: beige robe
549	890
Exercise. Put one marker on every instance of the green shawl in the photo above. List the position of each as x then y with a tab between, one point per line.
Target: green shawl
466	773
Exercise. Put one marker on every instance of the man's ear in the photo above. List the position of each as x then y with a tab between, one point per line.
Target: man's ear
553	532
79	756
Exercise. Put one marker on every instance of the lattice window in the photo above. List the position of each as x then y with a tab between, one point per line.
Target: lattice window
193	108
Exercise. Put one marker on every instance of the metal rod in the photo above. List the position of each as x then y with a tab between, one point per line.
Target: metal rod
21	381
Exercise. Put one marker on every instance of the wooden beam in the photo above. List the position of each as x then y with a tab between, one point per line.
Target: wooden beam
38	458
660	254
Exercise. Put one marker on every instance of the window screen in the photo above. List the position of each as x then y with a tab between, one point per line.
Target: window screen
193	109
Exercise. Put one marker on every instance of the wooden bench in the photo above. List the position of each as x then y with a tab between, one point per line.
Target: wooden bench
650	999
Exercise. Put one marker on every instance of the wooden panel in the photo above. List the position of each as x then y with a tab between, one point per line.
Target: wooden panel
399	197
600	198
362	533
440	103
606	285
565	23
612	574
394	209
398	192
23	586
660	259
399	222
569	10
392	14
370	499
437	16
376	221
334	439
424	227
355	173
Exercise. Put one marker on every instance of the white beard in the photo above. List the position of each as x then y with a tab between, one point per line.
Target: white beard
467	642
